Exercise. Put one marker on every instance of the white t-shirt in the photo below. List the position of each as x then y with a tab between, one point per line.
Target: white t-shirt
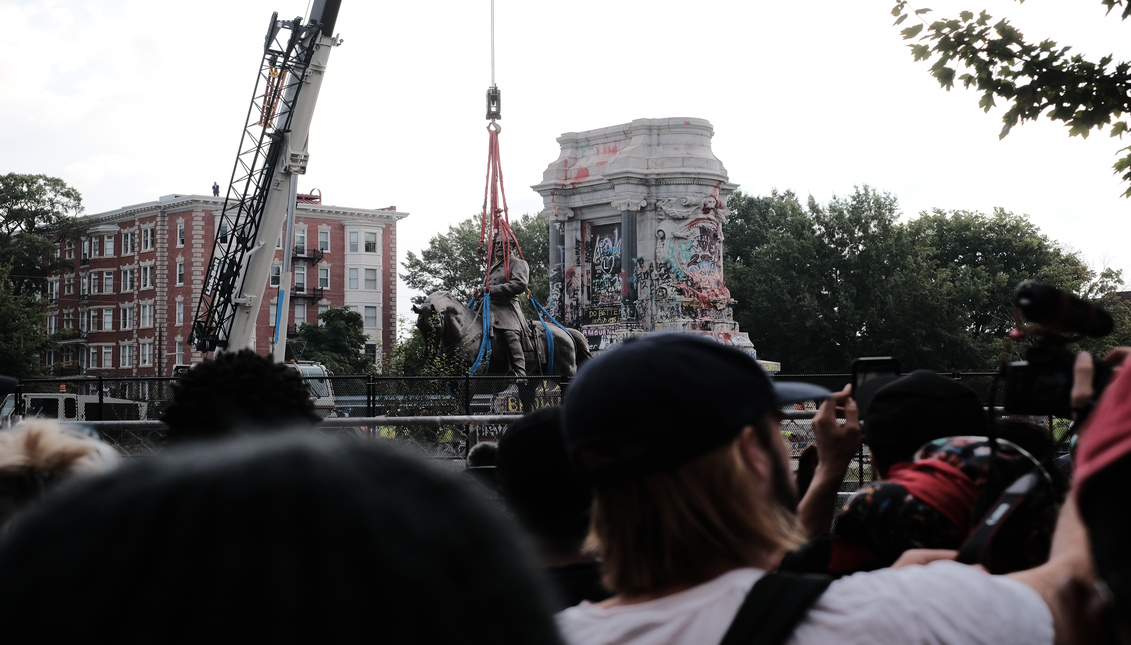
943	602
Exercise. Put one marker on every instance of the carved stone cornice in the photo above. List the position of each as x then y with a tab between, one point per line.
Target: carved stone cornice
629	202
687	206
556	213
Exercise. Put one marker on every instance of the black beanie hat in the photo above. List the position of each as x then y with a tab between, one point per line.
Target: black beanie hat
920	407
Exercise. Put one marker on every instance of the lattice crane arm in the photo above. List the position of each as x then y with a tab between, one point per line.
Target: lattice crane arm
272	149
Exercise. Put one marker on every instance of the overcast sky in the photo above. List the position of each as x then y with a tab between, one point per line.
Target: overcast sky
128	100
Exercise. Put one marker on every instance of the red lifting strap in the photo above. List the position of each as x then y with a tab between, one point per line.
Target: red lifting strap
495	221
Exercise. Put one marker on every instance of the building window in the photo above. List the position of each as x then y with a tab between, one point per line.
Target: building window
94	247
69	319
82	320
300	279
146	357
93	315
353	278
53	289
323	277
107	356
371	279
84	282
70	246
371	351
179	353
321	310
85	249
127	280
128	317
93	357
147	277
180	312
324	241
69	285
147	238
300	314
223	232
180	272
371	316
279	242
276	274
108	282
52	324
300	241
272	314
107	319
127	356
129	243
108	247
180	234
353	241
147	314
370	242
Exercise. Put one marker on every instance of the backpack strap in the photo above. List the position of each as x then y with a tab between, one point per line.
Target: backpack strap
774	607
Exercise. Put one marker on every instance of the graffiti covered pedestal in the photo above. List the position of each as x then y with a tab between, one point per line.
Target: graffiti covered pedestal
636	213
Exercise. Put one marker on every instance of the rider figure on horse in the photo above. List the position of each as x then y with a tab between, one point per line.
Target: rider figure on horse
507	280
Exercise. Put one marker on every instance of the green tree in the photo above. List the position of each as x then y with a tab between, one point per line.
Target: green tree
1032	79
817	286
22	335
35	212
338	342
452	262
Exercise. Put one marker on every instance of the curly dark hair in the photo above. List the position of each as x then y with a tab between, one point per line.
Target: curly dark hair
237	391
282	538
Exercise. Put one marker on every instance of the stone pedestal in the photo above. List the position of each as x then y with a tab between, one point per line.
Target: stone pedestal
636	213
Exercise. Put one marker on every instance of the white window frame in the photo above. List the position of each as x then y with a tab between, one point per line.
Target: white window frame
180	312
107	356
323	277
321	310
353	242
147	276
107	319
300	241
276	275
365	316
126	355
127	317
300	314
372	234
148	236
374	281
324	241
180	273
145	353
146	315
108	246
354	282
300	279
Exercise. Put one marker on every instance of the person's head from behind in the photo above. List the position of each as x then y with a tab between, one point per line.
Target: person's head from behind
540	486
237	392
679	437
285	537
38	455
916	408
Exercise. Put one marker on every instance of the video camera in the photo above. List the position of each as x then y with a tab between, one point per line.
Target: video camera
1042	384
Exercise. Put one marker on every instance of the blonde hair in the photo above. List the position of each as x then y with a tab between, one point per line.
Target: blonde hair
686	526
46	446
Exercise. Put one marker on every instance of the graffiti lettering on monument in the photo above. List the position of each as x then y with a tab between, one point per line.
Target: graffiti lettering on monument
604	265
603	315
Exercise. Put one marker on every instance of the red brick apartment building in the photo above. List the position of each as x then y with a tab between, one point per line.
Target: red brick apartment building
127	306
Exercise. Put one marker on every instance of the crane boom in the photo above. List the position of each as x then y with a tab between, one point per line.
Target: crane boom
272	150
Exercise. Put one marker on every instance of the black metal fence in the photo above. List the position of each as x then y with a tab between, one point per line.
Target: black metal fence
413	409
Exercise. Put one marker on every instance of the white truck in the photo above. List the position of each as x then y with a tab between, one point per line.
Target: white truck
70	407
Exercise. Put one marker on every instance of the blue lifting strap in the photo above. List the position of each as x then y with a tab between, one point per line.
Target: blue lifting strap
539	309
485	342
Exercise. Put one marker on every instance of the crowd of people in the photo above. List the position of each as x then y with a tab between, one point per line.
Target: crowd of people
656	505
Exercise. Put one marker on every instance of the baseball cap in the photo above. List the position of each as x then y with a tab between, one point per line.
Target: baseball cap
920	407
655	402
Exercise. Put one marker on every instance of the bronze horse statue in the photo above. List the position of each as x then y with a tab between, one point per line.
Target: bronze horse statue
450	328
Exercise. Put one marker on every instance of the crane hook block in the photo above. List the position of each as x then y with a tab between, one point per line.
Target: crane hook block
494	103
